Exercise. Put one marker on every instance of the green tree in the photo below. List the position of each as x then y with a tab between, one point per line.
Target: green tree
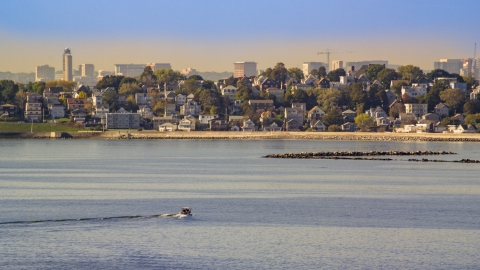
372	71
334	128
209	99
314	72
471	107
167	76
470	80
67	86
190	85
208	84
279	73
454	98
397	88
437	73
129	89
386	75
333	117
363	121
110	98
35	87
148	77
357	95
322	72
20	99
410	72
82	95
472	119
110	81
377	97
334	75
8	90
328	98
131	103
295	73
244	93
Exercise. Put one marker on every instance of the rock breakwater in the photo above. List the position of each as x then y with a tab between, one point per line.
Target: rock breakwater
303	155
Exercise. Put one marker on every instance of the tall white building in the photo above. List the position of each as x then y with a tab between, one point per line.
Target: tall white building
309	66
449	65
129	70
359	64
87	70
241	69
336	64
156	66
44	73
67	65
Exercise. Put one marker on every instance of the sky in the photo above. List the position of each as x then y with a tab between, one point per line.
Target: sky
210	35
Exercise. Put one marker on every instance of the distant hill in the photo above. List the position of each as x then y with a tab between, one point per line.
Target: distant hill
215	76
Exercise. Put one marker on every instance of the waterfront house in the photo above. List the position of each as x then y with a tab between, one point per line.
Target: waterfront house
248	125
441	110
167	127
318	126
315	114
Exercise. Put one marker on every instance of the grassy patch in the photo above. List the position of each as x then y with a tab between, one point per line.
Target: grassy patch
26	127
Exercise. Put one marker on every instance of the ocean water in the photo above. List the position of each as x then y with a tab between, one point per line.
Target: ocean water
95	204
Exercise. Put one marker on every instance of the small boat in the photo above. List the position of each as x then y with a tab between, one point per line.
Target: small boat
186	211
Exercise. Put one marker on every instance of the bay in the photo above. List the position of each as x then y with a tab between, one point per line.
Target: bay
249	212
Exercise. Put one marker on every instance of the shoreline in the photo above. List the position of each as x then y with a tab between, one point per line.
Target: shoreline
258	135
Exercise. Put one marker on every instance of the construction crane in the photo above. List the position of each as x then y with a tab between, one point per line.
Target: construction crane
328	52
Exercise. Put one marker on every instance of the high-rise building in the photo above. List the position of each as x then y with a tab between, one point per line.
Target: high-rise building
241	69
156	66
44	73
67	65
336	64
449	65
87	70
359	64
309	66
129	70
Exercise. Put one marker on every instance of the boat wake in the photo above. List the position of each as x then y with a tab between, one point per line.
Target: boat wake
178	216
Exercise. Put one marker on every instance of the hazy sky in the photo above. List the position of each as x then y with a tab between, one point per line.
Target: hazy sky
211	35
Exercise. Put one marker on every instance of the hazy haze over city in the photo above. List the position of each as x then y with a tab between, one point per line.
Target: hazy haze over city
211	35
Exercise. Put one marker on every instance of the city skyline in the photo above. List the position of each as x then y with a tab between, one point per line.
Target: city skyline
212	35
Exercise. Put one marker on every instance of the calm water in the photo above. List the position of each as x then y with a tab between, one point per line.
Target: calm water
249	212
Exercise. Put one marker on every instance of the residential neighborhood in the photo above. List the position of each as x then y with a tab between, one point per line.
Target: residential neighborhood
369	98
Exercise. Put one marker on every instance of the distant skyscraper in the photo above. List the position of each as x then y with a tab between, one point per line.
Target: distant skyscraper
156	66
241	69
87	70
67	65
44	73
309	66
449	65
129	70
336	64
359	64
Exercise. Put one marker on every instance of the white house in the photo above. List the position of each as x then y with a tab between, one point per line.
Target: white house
414	91
204	118
418	110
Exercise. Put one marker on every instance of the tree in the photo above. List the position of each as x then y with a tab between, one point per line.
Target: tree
397	88
67	86
410	72
471	107
279	73
295	73
196	77
36	87
167	75
454	98
437	73
20	99
110	81
470	80
8	90
148	77
110	98
89	105
372	71
472	119
334	128
334	75
314	72
129	89
244	93
363	121
190	85
357	95
82	95
377	97
333	117
328	98
208	84
322	72
131	103
209	99
386	75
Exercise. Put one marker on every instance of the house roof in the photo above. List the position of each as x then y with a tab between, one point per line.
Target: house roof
348	111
